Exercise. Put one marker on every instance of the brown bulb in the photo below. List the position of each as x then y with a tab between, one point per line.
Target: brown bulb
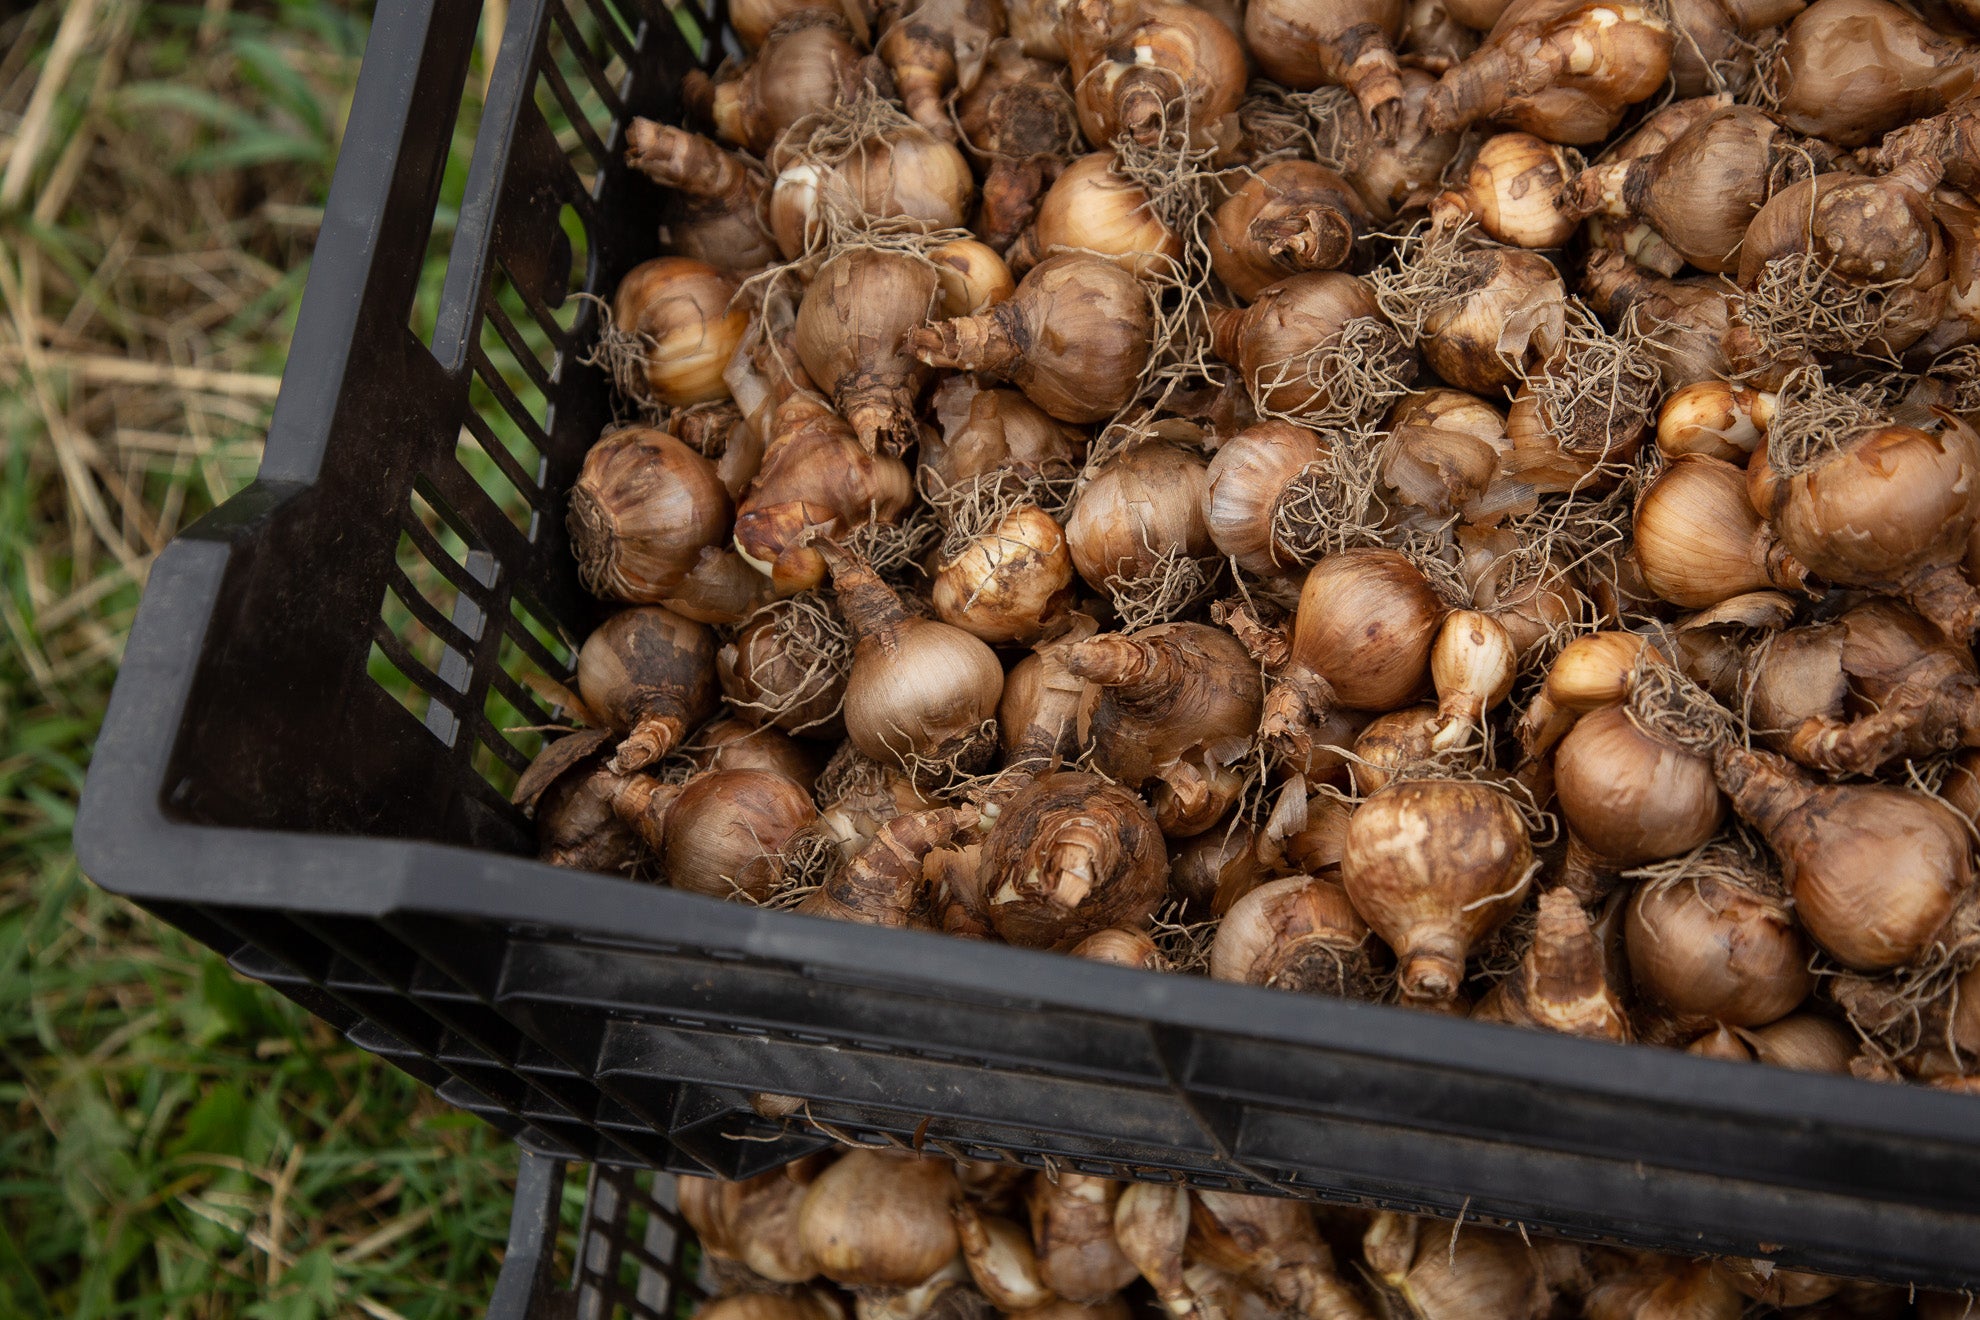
572	794
1010	583
895	171
1074	337
806	64
1562	69
1633	793
721	833
1248	486
1091	208
787	667
643	509
1803	1042
853	328
674	330
1852	69
884	883
875	1219
1699	542
1178	705
1433	866
729	743
1069	855
1299	934
817	480
1559	984
1711	939
1875	870
1351	45
1151	70
650	675
1287	217
1315	346
1072	1229
1511	190
1137	514
715	211
1272	1244
922	694
1445	1276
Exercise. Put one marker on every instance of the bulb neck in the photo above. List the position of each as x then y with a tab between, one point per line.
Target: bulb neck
1474	90
1942	593
1565	965
651	737
1585	873
1433	972
1764	788
984	342
1300	703
871	608
643	804
684	161
1227	332
1138	671
1304	235
1599	190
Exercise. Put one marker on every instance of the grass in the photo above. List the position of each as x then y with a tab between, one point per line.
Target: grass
175	1142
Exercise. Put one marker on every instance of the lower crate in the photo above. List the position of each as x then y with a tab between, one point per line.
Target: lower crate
635	1255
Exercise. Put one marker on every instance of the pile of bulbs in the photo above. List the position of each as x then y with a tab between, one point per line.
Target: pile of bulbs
886	1235
1481	517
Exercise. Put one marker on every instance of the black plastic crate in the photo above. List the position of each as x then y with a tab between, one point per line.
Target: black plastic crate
258	785
634	1258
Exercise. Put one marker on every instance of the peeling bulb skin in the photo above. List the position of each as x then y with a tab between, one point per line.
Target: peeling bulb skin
1433	866
650	675
1070	855
1072	1230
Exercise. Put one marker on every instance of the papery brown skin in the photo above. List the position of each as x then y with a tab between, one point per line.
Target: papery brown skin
1764	1282
984	431
807	63
1142	502
1178	702
853	328
805	1305
1393	744
681	312
1559	985
817	479
1439	1275
1069	855
729	743
1244	484
1686	321
1803	1042
1630	795
1020	120
1716	418
1150	68
1512	190
1151	1225
876	1219
1701	192
1664	1288
1072	1230
643	509
884	882
1000	1260
1875	870
1046	711
754	19
1212	871
1287	217
898	172
1472	665
1074	337
1092	209
1710	948
1892	508
649	674
1121	948
945	1295
1361	639
935	47
1875	684
1435	38
1445	456
856	796
1010	584
1271	1243
1563	69
571	793
1721	1043
1300	934
770	685
1433	866
721	833
971	275
716	197
1853	69
1287	324
1698	541
1304	45
754	1222
919	689
1396	173
1507	325
1590	672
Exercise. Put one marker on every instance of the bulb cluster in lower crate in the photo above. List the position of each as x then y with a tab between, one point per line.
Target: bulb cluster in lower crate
887	1235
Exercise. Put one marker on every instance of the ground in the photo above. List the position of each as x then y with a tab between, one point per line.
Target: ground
173	1141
